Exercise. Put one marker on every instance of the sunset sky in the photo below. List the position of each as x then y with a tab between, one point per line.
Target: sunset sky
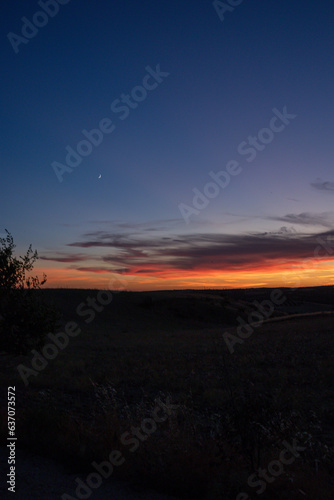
213	166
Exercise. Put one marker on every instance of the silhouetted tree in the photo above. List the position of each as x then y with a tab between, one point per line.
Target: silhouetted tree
24	318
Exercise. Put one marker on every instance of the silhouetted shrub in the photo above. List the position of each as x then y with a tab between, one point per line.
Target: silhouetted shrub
24	319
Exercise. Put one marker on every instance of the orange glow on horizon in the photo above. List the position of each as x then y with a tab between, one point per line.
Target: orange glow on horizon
293	274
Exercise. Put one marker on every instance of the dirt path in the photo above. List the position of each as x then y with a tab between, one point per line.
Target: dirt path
294	316
39	478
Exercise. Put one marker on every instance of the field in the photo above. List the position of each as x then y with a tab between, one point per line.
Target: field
232	413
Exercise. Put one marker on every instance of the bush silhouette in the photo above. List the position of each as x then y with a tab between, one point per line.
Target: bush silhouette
24	319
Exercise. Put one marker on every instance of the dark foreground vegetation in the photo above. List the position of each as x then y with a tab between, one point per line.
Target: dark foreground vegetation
234	410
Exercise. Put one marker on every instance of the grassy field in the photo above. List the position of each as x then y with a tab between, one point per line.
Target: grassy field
234	411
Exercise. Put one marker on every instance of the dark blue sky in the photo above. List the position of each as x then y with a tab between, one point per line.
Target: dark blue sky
117	208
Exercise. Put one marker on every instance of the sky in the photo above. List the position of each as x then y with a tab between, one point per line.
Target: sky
172	144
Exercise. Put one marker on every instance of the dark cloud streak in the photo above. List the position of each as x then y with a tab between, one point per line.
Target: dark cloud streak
209	250
323	185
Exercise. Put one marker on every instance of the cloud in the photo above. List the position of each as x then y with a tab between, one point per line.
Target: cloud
325	219
287	230
205	251
148	271
65	258
140	227
101	269
323	185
